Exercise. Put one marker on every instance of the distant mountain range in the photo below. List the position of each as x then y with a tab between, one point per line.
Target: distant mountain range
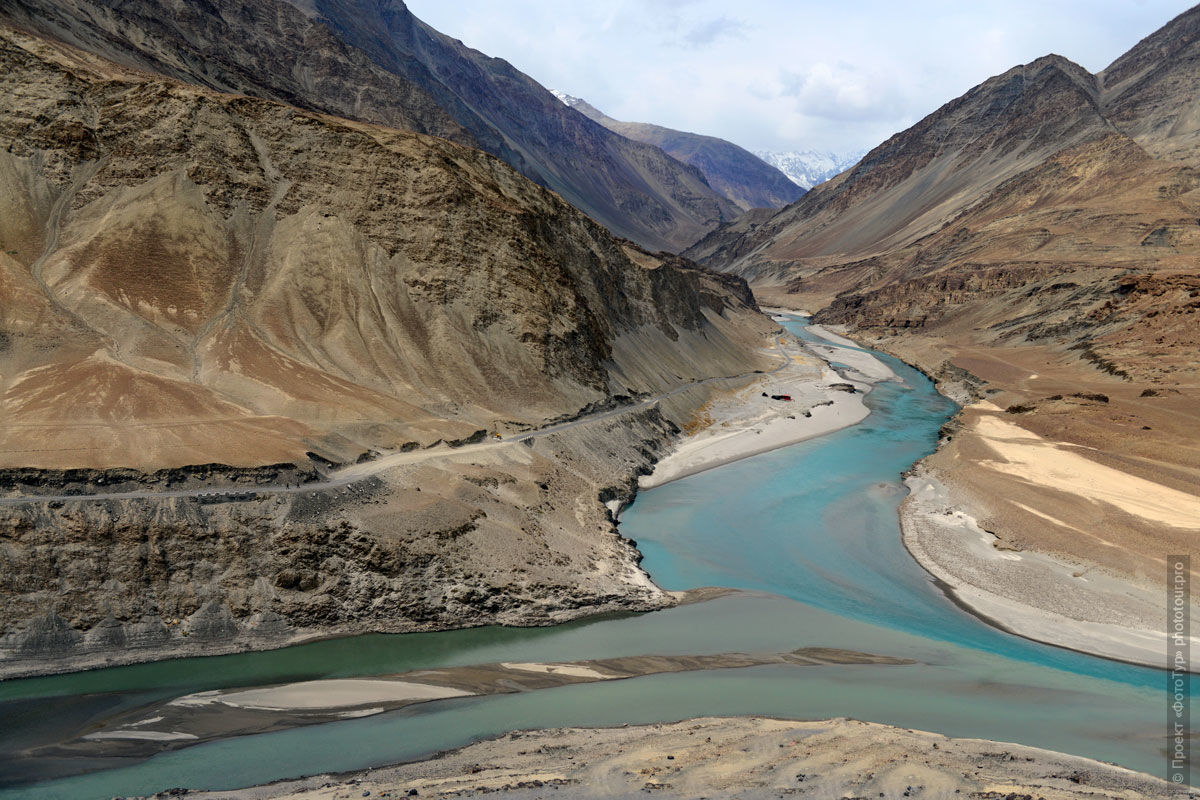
807	168
731	170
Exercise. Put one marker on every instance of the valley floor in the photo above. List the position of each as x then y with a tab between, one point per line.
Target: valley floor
746	758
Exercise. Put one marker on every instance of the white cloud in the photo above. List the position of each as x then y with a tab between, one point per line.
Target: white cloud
705	33
842	93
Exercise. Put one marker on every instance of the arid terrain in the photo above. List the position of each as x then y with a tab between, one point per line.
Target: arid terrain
747	758
316	322
193	278
1031	245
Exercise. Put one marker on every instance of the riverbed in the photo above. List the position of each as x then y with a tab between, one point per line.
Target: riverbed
810	532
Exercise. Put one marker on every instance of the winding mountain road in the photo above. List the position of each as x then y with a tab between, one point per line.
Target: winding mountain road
353	473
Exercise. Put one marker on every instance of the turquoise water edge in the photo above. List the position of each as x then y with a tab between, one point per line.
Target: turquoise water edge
810	530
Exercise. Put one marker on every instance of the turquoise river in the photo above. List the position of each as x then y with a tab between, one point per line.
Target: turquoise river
811	530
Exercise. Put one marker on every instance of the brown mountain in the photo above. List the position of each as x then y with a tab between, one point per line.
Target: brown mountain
738	174
911	184
372	61
201	289
1034	243
1038	174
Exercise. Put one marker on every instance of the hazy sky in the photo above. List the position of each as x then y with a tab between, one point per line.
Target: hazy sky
780	75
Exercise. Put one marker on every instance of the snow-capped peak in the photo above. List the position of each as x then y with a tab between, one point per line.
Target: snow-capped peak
807	168
566	99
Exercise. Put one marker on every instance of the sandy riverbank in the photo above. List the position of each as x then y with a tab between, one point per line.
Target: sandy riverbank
748	758
744	423
1050	596
1032	594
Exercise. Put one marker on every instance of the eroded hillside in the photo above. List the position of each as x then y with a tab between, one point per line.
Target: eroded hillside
193	277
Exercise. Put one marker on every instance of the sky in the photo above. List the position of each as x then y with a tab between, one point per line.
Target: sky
777	75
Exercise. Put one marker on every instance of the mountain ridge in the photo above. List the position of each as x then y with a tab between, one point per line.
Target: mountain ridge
737	173
807	168
375	62
1030	245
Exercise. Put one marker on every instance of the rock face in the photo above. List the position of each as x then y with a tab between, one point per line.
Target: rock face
374	62
269	50
736	173
196	278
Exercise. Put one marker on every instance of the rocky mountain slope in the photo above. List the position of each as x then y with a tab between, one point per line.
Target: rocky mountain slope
1049	197
910	185
736	173
807	168
189	276
1031	243
374	62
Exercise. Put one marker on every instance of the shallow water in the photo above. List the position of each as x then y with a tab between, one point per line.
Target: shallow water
813	527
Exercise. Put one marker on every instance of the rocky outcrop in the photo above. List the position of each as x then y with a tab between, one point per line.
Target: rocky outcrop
29	481
522	541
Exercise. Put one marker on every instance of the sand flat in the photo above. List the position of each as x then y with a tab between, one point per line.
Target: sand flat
1032	594
573	670
744	423
324	694
1032	458
857	359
